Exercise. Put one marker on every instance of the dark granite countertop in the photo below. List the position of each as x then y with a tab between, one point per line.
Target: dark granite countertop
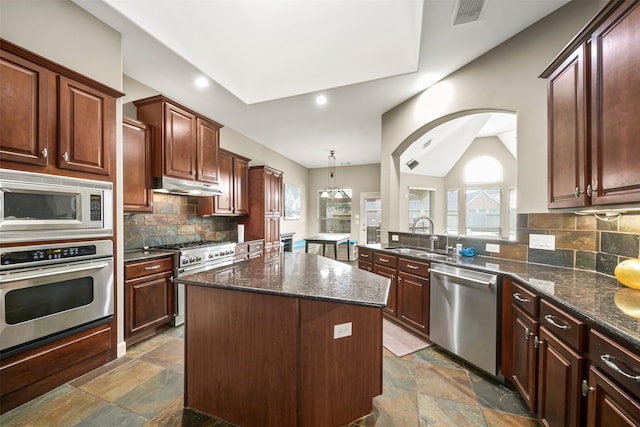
589	294
298	275
141	255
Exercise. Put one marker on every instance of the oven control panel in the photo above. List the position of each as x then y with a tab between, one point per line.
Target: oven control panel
43	254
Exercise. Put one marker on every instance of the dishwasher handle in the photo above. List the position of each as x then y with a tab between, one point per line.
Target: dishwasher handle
487	283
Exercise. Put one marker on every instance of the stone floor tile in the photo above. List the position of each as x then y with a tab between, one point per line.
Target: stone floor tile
447	413
32	407
502	419
120	381
436	356
494	395
113	416
445	383
142	347
79	382
398	372
154	395
396	407
167	354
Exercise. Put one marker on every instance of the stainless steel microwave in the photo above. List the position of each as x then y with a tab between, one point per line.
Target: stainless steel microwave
36	207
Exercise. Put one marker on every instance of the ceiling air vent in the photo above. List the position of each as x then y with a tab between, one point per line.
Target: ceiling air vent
468	11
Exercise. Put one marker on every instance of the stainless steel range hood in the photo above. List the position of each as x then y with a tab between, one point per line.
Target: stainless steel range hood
185	187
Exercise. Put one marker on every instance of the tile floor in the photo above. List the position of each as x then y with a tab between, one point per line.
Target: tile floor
145	387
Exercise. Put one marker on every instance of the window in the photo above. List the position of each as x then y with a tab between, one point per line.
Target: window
373	215
334	214
420	203
483	211
452	212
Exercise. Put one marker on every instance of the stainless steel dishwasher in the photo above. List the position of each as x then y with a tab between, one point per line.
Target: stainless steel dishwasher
463	316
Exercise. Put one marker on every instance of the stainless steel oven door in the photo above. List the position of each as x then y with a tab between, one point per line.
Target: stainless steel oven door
42	301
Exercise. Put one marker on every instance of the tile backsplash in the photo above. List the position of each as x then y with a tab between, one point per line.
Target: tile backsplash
581	241
175	220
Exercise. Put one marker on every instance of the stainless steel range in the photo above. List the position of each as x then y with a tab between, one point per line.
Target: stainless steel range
195	257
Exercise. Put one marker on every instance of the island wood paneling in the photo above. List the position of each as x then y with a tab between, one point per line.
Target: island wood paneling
255	359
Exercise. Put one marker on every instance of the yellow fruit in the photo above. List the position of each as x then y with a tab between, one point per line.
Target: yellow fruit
628	273
628	300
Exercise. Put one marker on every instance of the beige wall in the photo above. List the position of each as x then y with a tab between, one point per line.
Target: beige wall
361	179
504	79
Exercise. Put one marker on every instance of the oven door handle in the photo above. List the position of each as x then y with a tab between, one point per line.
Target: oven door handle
50	271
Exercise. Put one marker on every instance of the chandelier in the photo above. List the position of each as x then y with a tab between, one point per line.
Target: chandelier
332	191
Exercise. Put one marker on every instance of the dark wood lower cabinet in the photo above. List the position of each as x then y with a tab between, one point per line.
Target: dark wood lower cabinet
148	298
609	405
392	300
524	356
413	301
560	372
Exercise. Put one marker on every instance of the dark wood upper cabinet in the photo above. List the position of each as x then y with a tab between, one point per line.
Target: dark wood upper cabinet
593	88
86	127
27	116
185	143
233	179
52	119
136	173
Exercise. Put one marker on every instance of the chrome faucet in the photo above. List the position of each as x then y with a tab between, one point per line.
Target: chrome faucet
431	235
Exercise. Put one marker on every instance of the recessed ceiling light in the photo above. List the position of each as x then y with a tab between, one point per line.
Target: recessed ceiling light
321	99
202	82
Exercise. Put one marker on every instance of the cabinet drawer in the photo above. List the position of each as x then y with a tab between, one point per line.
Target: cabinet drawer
384	259
413	267
133	270
619	363
525	299
365	254
256	247
242	248
563	326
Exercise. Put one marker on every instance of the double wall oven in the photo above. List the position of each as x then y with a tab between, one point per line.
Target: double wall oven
56	259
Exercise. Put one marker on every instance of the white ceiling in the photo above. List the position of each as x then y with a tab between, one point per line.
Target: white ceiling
267	60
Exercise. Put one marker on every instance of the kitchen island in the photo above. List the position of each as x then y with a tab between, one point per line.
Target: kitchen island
293	340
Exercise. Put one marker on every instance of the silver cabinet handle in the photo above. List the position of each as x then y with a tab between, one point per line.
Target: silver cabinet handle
171	279
363	255
65	157
520	298
527	333
586	389
413	267
578	192
607	360
383	259
551	319
153	267
45	152
536	342
590	190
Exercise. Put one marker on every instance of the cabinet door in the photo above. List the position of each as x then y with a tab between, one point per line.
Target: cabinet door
86	128
615	61
208	145
26	90
224	202
136	173
560	373
272	234
180	142
567	140
148	303
524	356
608	404
392	300
241	187
273	196
413	301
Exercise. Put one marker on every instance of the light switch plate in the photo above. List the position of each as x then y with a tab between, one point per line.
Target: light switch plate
342	330
395	237
542	241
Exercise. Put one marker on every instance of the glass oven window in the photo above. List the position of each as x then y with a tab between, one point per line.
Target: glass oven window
26	304
37	206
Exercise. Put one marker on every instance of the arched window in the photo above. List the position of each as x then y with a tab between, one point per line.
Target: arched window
483	170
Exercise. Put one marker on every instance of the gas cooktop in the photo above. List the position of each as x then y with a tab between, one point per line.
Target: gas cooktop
191	245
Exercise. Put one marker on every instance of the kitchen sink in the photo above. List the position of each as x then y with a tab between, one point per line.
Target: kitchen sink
419	253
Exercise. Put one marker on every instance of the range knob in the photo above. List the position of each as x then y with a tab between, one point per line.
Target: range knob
211	256
192	259
198	258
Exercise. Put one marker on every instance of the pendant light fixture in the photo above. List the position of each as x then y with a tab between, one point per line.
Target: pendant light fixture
332	191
